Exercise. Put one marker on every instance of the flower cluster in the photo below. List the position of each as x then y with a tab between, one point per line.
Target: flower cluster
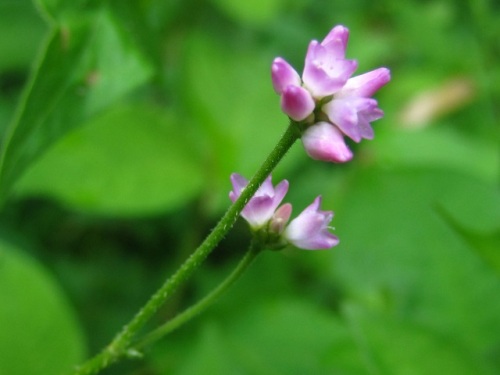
326	101
307	231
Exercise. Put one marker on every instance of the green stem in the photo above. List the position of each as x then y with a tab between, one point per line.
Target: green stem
120	344
201	305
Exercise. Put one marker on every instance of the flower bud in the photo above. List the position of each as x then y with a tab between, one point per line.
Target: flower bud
323	141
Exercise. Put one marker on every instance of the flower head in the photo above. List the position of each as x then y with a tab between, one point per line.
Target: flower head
308	231
327	95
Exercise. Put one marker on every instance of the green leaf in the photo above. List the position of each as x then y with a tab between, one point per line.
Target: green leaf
84	67
437	146
131	160
231	96
280	337
61	10
487	245
251	12
397	255
39	334
21	29
393	346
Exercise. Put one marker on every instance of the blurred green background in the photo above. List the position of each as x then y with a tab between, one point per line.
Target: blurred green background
121	122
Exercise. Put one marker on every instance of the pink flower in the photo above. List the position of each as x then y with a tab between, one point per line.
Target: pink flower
326	92
296	101
269	223
326	70
283	75
260	208
365	85
309	230
352	109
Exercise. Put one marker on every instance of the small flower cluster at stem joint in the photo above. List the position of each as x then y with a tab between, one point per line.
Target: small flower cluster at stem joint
309	230
326	102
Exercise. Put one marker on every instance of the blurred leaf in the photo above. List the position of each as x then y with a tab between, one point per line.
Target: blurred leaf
61	10
399	347
397	255
21	29
83	68
131	160
281	337
232	98
433	38
473	204
437	146
252	12
39	335
485	241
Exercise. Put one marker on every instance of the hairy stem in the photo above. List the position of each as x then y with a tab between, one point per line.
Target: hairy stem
201	305
120	345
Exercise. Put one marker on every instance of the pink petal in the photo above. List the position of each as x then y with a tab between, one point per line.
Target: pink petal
239	183
297	103
325	72
283	75
266	188
365	85
323	141
260	208
339	34
309	230
353	115
280	218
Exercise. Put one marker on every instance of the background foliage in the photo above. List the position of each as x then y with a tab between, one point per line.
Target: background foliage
121	122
